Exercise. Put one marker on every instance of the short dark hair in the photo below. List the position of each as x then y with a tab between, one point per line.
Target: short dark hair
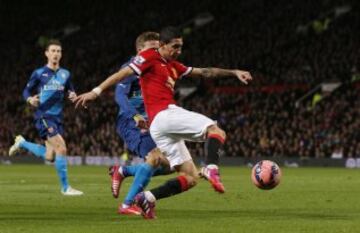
169	33
52	42
145	36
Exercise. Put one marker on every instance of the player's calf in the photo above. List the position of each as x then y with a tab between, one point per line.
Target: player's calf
214	144
213	149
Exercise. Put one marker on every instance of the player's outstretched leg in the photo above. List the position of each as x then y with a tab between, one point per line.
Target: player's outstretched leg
213	148
21	143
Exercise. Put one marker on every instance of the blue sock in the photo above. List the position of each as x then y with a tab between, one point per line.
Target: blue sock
61	168
130	170
36	149
141	180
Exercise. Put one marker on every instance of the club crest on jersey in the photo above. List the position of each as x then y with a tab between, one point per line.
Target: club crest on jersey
174	73
138	60
63	75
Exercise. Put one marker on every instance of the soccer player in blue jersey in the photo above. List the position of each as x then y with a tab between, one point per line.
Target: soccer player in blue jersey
46	90
131	126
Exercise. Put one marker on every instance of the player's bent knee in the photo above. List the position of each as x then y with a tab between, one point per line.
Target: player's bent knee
154	162
191	181
50	155
215	129
61	150
154	158
223	134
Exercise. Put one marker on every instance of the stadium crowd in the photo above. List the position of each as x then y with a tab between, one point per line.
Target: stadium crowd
254	35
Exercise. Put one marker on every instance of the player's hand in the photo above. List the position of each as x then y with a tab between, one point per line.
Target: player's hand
140	121
72	96
243	76
84	98
34	100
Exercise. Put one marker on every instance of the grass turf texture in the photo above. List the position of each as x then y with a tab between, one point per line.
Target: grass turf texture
307	200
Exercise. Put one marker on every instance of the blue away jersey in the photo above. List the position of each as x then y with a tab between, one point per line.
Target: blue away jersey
52	87
129	98
130	101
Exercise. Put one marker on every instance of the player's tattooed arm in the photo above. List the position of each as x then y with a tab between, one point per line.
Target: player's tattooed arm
211	72
216	72
243	76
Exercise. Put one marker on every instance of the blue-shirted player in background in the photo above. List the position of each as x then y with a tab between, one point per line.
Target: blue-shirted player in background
131	126
51	85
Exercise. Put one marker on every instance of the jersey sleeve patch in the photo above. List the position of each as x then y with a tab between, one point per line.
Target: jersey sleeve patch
138	60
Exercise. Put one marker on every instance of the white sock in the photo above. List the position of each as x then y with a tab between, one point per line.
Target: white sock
212	166
125	206
121	171
149	196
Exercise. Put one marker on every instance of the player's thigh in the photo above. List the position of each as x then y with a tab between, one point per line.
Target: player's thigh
58	144
175	151
50	152
156	158
181	123
173	148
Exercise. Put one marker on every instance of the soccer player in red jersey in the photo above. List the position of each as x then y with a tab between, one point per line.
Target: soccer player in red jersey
171	125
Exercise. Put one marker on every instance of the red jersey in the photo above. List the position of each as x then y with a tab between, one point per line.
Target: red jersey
157	80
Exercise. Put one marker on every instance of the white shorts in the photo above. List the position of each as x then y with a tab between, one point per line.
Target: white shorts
172	126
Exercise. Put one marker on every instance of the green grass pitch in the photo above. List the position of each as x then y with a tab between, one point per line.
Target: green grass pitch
307	200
